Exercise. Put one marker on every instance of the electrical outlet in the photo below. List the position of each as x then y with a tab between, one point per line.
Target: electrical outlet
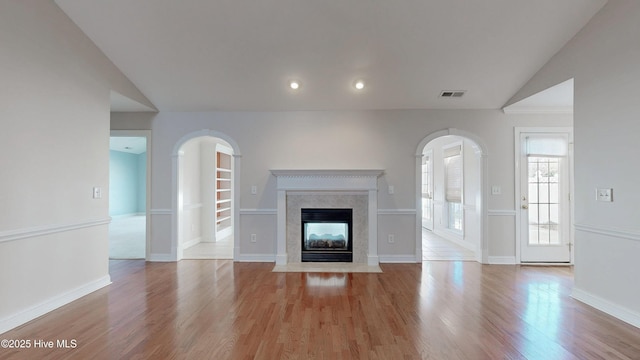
392	239
605	195
254	238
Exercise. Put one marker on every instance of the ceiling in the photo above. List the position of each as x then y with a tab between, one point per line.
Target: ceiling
204	55
128	144
557	99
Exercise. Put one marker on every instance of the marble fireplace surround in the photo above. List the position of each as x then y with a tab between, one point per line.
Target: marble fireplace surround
326	186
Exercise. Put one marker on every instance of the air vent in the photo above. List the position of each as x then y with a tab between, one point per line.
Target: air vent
452	93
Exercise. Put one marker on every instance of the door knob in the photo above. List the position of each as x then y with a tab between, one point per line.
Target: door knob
525	206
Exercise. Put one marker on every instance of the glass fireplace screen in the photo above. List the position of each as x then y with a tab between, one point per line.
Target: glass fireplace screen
326	236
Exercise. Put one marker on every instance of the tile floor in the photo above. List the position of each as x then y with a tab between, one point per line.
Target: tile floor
436	248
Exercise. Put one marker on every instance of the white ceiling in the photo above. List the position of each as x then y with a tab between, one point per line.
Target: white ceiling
557	99
202	55
132	145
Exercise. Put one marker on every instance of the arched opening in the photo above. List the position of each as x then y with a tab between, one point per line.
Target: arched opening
204	199
451	216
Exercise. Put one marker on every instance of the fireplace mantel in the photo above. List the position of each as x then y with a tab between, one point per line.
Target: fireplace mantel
327	180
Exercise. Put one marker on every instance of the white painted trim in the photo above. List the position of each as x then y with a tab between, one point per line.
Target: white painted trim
396	211
256	258
51	304
504	212
12	235
480	149
258	211
609	231
373	259
322	181
517	147
398	259
176	211
161	258
161	212
502	260
613	309
315	173
147	135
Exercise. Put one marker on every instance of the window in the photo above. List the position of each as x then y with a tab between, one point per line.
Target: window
427	196
453	186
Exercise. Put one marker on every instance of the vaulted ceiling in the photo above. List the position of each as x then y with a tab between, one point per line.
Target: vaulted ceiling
204	55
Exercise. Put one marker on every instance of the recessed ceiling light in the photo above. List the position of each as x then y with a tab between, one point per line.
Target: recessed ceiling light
294	84
359	85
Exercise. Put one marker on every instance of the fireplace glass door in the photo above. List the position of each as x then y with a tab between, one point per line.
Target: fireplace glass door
326	235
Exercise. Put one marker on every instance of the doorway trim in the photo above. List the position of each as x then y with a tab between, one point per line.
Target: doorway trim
176	156
482	255
147	135
518	188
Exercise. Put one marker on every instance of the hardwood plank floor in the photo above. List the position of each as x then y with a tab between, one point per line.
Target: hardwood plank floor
217	309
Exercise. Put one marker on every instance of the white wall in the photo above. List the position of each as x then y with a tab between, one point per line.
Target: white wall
54	148
191	181
603	60
343	140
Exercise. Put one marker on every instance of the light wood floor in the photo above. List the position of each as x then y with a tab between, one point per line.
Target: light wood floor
220	250
217	309
435	247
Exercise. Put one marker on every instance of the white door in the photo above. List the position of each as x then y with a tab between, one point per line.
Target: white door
427	190
544	198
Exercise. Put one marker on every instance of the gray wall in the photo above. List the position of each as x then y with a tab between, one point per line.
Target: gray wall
604	61
337	140
54	148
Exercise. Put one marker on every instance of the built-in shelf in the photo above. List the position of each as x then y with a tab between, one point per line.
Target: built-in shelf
223	192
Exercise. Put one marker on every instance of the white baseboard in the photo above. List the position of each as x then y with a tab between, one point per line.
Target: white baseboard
161	258
398	259
190	243
373	260
256	258
55	302
607	306
502	260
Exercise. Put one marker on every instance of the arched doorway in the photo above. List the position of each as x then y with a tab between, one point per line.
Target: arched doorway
205	178
452	203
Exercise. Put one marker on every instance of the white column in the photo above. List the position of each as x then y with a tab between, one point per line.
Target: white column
372	256
281	229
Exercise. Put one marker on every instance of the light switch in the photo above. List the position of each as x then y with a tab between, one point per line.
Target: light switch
496	190
604	195
391	189
254	190
97	193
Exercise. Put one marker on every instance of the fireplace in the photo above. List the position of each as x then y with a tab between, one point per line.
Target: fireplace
327	235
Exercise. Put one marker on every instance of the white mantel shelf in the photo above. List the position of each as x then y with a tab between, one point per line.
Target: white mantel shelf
365	180
328	172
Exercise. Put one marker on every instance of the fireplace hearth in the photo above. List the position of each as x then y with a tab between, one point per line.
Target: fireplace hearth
327	235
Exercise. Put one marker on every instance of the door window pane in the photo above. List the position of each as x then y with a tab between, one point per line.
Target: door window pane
544	199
